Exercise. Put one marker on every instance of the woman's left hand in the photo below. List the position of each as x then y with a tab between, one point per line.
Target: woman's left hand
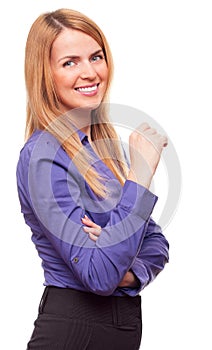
91	228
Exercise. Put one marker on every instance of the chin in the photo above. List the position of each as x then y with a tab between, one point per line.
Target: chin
91	106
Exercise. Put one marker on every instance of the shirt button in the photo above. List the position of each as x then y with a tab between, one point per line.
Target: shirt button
76	260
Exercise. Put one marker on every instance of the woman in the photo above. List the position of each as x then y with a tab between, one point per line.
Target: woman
89	214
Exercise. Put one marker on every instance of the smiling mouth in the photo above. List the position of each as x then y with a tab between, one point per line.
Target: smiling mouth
87	89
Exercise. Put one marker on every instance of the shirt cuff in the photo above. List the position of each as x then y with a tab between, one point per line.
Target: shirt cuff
138	199
143	279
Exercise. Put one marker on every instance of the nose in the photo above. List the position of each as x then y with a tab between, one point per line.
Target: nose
88	71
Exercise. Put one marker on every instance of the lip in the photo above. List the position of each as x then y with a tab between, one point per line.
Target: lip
88	90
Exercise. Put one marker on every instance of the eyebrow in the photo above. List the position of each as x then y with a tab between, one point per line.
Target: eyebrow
74	57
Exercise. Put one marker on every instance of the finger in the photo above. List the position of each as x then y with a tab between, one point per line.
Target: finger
87	220
143	127
156	139
164	140
90	223
93	237
150	131
94	231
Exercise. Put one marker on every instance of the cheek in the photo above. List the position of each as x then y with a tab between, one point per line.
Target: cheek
63	81
104	73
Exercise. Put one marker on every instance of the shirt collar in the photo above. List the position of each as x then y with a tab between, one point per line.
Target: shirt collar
83	137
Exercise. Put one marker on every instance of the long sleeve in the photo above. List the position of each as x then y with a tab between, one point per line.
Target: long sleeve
55	191
151	259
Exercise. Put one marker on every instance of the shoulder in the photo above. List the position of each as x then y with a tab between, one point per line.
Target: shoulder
41	143
40	147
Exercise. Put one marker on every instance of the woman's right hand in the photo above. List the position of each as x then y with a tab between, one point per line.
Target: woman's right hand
145	146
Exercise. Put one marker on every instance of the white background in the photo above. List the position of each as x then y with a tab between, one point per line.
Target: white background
163	66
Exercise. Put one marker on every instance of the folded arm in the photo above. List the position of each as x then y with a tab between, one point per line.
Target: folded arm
54	194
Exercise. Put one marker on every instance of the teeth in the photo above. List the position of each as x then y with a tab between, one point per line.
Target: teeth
87	89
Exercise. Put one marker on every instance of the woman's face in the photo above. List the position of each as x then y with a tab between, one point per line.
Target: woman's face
79	70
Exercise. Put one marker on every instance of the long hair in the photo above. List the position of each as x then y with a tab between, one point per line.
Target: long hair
43	105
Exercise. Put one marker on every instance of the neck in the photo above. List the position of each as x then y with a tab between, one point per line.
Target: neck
81	118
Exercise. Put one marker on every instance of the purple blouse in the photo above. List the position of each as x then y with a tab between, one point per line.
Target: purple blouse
54	197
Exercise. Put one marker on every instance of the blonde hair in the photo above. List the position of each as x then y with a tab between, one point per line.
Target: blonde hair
43	106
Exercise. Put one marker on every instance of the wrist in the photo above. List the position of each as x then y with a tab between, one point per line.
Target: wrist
143	179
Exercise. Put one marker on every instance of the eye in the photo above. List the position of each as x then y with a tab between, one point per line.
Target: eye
69	64
97	58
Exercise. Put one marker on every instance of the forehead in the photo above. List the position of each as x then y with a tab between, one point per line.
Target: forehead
74	42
